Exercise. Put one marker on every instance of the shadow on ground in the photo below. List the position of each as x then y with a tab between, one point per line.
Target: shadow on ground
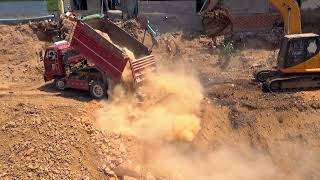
79	95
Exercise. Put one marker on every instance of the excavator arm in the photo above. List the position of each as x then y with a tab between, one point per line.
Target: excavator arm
290	12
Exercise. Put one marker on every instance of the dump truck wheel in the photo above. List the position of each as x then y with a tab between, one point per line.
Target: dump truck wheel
98	90
60	84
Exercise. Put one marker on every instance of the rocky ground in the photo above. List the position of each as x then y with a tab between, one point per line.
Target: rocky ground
248	134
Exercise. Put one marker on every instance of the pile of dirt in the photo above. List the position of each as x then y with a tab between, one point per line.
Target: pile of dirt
131	26
49	136
67	27
43	138
47	30
104	35
19	53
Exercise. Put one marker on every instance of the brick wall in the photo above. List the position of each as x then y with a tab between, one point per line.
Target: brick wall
254	22
251	15
181	15
66	4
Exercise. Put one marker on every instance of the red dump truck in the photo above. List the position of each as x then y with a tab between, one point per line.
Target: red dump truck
89	61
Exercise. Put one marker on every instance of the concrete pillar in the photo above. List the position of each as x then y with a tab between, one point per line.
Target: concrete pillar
61	6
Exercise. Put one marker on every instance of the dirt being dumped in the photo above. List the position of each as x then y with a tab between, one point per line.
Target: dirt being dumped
167	113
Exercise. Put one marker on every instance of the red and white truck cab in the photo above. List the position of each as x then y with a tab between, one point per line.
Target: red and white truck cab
53	60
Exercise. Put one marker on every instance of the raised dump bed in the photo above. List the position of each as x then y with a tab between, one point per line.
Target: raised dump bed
108	54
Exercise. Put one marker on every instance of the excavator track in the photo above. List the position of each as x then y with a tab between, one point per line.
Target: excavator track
292	82
263	75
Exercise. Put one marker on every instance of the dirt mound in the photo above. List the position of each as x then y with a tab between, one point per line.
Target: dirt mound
19	54
132	27
44	138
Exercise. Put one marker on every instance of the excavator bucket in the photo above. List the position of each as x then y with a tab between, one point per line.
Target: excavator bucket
142	67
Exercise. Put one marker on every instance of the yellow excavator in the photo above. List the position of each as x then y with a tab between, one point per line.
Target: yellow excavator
298	59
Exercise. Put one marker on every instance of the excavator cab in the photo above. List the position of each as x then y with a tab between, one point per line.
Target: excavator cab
296	50
298	64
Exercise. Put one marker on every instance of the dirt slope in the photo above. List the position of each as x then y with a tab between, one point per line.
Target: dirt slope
19	54
42	138
41	131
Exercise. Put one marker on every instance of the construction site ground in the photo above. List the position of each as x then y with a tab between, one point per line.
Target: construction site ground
245	133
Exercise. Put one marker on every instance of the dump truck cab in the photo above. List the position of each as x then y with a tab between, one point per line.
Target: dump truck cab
58	61
53	63
57	57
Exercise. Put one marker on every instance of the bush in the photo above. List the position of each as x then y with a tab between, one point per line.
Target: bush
53	5
228	48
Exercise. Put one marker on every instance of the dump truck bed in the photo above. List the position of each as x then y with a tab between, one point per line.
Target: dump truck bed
120	36
109	55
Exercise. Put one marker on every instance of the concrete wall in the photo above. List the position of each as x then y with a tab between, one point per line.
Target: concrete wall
181	15
66	3
93	5
18	9
247	15
311	16
310	4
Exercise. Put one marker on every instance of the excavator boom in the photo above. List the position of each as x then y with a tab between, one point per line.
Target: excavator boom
290	12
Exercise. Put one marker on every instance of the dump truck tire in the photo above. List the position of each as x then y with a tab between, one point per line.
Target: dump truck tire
59	84
98	90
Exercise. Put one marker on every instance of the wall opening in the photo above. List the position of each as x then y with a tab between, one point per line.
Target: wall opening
80	4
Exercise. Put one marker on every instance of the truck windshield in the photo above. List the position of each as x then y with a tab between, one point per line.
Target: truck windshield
69	53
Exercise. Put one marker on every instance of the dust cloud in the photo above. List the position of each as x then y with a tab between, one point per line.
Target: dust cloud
167	120
223	163
168	111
